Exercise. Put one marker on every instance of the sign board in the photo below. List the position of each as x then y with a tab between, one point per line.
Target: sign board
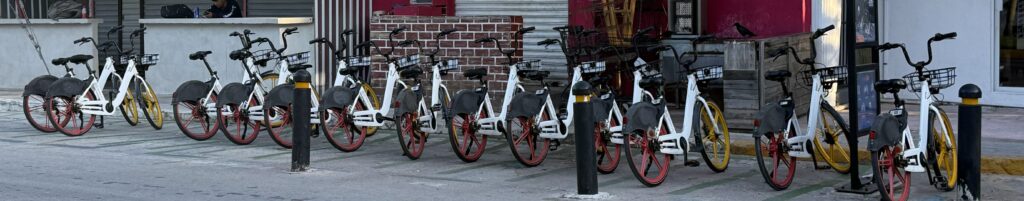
867	98
867	21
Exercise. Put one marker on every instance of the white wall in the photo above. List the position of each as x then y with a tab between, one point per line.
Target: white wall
827	13
19	62
974	52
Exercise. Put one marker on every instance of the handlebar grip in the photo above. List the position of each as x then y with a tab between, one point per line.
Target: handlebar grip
485	40
820	32
139	31
888	46
83	40
105	45
526	30
363	45
260	40
234	34
248	32
347	32
547	42
397	31
290	31
941	36
115	29
318	40
644	31
406	43
560	28
446	32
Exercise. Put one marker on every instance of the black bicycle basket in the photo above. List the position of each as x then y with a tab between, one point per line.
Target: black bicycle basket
297	58
357	61
708	73
450	64
829	75
938	78
593	67
262	56
408	61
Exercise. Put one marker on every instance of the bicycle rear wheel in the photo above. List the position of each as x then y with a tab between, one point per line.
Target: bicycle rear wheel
236	125
462	133
194	121
410	137
714	138
72	121
830	140
278	120
642	155
893	181
34	108
524	140
772	155
341	132
150	104
942	152
608	153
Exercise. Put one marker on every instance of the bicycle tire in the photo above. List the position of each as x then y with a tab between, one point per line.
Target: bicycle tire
835	137
197	112
150	104
28	106
720	139
886	186
70	111
777	154
647	151
942	158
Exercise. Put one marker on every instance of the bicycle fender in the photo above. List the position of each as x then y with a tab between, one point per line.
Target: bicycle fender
602	107
67	87
772	118
407	101
282	95
338	97
642	116
888	130
39	85
525	105
467	101
234	93
191	90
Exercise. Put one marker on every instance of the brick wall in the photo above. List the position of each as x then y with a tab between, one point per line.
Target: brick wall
458	45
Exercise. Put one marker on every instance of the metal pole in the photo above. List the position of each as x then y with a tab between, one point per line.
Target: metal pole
849	50
586	163
969	142
300	125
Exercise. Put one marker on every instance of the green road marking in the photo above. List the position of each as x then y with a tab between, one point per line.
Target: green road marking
123	143
712	183
545	173
11	141
807	189
182	145
472	167
439	178
93	137
174	150
621	179
36	134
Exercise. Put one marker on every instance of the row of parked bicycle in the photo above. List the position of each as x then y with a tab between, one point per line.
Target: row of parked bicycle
531	122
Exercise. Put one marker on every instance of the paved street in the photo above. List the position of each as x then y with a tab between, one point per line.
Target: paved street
136	163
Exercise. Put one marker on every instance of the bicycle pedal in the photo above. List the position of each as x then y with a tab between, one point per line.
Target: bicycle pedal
554	145
97	125
691	163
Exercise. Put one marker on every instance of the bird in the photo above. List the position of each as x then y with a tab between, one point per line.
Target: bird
743	30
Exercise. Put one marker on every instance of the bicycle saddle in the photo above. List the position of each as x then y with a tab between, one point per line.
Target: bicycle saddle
348	71
778	75
890	86
80	59
199	55
411	72
652	82
296	67
534	74
239	54
476	73
59	61
599	80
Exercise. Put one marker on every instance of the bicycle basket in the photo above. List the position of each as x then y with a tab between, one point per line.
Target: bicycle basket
145	59
529	65
835	74
939	78
708	73
593	67
297	58
263	55
450	64
357	61
649	72
408	61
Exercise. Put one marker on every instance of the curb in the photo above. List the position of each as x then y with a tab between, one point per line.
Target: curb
1004	165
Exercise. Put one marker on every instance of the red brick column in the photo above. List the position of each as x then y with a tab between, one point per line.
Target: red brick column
459	45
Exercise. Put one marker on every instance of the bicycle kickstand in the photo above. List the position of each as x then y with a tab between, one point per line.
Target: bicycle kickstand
814	160
687	162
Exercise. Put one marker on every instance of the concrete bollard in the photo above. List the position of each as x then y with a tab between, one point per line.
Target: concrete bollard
969	141
586	162
301	127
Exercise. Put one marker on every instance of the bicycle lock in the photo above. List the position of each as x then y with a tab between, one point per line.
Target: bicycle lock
586	162
969	143
301	127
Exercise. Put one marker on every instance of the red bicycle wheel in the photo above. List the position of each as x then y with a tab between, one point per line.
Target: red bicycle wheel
72	121
771	148
608	153
409	135
466	144
237	126
527	147
643	158
278	120
194	121
32	106
893	181
341	132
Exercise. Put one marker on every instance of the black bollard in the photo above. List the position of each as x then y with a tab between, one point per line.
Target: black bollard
300	121
586	163
969	142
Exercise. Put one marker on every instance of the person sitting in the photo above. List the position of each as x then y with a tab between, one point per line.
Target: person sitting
223	9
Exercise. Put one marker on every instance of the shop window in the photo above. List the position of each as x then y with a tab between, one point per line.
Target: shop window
686	16
421	1
1011	44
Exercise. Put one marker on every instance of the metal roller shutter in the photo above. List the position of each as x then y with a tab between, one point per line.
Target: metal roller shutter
256	8
543	14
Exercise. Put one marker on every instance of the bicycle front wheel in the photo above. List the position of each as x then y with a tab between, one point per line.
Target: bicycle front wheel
150	104
942	151
830	140
642	156
714	138
129	108
376	106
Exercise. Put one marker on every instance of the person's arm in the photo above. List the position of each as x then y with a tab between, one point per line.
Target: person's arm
234	10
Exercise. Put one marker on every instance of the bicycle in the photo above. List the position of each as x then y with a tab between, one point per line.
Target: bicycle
349	114
649	123
345	84
894	154
34	95
777	128
472	113
241	103
71	99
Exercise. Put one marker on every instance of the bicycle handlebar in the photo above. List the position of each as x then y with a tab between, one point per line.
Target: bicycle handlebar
941	36
138	32
115	29
525	30
445	33
290	31
820	32
548	42
397	31
919	66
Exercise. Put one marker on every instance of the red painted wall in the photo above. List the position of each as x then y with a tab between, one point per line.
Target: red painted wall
765	18
387	5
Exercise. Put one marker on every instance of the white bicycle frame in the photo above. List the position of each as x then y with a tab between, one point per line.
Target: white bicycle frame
255	112
489	124
205	102
798	145
428	117
914	153
371	117
551	129
671	143
98	106
638	95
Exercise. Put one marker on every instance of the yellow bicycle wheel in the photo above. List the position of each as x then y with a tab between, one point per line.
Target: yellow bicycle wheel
269	81
943	150
830	141
150	105
376	105
714	137
130	109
